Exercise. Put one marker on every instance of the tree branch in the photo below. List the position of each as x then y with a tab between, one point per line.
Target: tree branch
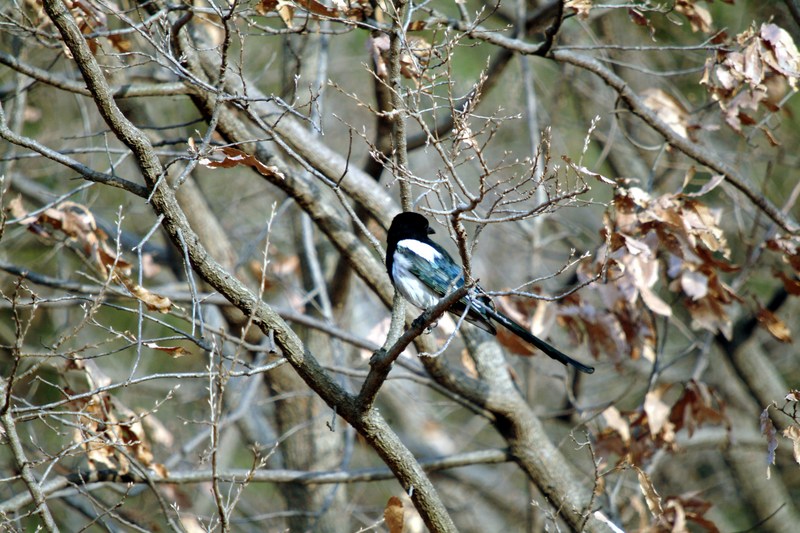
432	464
381	362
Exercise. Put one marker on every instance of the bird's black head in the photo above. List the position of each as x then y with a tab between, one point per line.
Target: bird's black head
409	225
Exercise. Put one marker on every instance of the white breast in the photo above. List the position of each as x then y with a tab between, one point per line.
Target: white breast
407	283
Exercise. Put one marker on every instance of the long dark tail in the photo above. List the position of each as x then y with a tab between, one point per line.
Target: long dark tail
527	336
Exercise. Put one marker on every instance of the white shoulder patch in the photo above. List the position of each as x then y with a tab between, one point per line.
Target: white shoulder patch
425	251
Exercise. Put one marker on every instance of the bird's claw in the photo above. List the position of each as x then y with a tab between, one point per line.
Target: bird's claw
420	322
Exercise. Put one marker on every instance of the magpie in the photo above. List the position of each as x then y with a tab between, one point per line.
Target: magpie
423	272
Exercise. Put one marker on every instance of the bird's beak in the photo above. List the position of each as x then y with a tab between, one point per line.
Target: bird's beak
430	231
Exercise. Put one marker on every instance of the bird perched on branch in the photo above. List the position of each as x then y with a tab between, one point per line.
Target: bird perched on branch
423	272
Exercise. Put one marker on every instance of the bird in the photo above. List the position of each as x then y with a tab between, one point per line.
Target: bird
423	273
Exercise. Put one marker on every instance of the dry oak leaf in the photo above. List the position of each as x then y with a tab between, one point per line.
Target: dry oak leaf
793	433
657	410
790	283
393	515
747	74
174	351
234	157
650	494
668	109
153	301
789	248
774	325
678	510
77	223
698	405
579	7
699	17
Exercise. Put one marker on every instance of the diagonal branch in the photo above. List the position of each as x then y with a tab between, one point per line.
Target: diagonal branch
382	361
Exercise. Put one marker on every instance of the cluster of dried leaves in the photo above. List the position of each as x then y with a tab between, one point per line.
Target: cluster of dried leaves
91	20
748	74
633	437
110	434
73	224
414	56
672	513
645	238
752	71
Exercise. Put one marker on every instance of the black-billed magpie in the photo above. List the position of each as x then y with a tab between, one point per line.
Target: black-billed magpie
424	272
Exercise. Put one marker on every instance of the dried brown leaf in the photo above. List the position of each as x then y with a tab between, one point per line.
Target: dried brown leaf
639	18
650	494
783	56
654	302
17	210
679	510
153	301
668	109
174	351
120	43
234	157
698	405
694	284
266	6
615	421
286	13
393	515
774	325
789	247
793	433
579	7
317	8
699	17
656	409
